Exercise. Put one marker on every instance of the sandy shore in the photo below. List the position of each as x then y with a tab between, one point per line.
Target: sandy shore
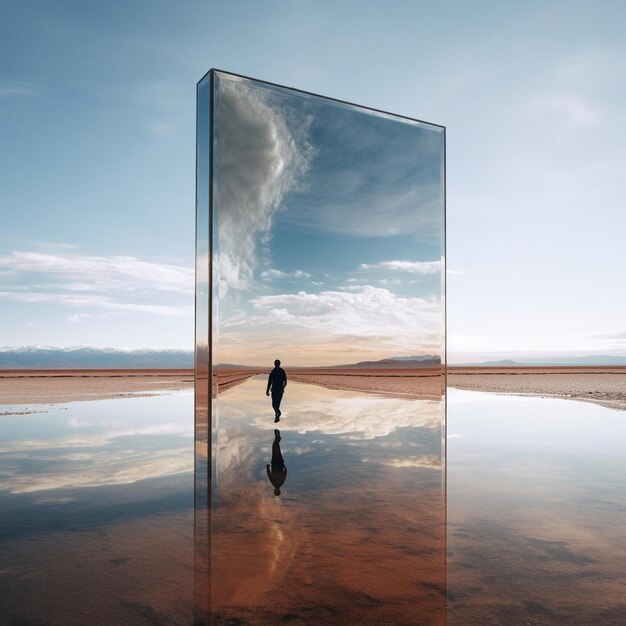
601	385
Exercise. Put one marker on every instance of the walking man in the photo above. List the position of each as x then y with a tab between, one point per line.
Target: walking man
277	382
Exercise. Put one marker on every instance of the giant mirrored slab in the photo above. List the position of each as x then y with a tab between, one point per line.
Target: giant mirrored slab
320	242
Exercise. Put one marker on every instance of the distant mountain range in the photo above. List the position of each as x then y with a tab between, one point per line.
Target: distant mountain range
84	357
598	360
426	360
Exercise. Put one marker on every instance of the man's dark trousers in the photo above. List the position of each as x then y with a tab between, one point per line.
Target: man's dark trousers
276	399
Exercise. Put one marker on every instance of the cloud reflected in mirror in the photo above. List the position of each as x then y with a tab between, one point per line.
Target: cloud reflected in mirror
327	259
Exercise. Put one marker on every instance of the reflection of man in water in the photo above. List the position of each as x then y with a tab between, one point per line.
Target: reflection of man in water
277	382
276	471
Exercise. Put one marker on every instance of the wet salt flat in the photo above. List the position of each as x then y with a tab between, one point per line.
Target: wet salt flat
536	511
356	534
96	510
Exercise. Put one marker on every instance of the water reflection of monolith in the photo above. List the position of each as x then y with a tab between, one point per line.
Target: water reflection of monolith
320	237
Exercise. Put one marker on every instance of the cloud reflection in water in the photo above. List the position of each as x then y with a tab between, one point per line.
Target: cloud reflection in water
87	444
358	530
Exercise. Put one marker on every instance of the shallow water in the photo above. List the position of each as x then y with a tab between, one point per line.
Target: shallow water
96	510
353	532
536	511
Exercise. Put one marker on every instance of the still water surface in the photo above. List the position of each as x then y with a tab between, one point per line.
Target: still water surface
536	511
353	532
96	506
96	512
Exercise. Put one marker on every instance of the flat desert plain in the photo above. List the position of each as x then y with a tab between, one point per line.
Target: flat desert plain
56	386
416	383
601	385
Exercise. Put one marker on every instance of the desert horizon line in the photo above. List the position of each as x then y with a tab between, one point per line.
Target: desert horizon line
94	357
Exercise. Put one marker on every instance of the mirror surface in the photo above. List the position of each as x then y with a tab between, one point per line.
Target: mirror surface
320	482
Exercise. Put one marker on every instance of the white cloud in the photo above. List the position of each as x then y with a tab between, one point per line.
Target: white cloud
262	157
461	347
116	285
349	414
81	457
334	327
97	301
93	441
273	273
413	267
416	462
367	311
123	273
103	468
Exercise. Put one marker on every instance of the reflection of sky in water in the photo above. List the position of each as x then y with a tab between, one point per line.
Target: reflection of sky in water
86	444
360	512
96	501
322	428
536	510
96	511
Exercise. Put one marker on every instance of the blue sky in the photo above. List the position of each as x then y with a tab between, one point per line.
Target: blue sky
330	230
97	116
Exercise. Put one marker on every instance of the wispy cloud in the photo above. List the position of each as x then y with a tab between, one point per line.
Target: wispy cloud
96	301
123	273
273	273
119	285
373	179
529	345
416	462
413	267
97	469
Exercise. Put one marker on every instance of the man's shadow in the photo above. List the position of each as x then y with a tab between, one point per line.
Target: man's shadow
276	470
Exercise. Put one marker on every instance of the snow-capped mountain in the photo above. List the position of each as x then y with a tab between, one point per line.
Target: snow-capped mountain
87	357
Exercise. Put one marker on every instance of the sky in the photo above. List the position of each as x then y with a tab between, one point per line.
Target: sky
329	224
97	156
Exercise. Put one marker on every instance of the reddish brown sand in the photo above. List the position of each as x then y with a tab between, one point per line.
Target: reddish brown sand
410	383
55	386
